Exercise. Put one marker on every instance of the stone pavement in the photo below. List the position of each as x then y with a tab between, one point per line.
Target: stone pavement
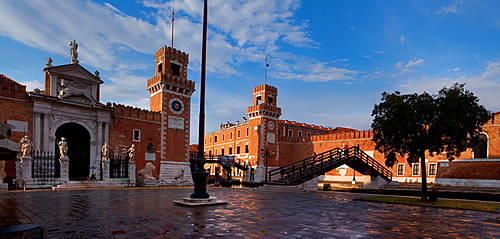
251	213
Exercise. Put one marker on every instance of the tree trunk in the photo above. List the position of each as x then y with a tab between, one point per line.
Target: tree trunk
424	197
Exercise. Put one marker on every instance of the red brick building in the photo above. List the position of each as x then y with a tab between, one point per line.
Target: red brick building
291	141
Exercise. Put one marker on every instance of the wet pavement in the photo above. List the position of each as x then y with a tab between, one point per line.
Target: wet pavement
251	213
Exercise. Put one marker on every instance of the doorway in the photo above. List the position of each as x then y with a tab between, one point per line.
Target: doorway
78	139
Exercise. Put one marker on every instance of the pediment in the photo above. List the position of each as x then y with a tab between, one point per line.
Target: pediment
74	72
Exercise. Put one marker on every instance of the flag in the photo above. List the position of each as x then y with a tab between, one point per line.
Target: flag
267	65
173	18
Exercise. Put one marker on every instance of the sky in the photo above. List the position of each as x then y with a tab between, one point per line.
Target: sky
330	59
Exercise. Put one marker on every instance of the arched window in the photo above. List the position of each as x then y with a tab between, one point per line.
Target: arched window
481	150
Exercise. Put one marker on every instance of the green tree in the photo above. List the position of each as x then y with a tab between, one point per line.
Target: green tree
410	125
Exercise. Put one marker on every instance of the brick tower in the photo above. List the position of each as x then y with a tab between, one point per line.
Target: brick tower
263	116
170	93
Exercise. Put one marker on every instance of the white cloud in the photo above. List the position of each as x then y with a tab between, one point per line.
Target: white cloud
405	69
449	9
415	62
485	85
402	39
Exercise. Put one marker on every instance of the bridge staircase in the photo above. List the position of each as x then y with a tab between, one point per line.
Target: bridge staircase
312	167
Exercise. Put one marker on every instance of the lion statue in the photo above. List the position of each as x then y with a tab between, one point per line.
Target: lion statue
147	172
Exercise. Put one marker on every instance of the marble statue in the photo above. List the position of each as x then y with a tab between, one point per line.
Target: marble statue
63	148
123	154
131	153
26	146
73	50
105	151
116	153
180	175
147	172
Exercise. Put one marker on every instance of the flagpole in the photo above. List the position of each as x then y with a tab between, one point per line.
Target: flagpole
265	72
173	21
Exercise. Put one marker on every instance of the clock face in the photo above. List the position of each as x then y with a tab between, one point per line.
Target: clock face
270	125
176	106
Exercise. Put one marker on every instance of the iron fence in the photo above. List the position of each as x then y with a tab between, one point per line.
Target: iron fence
118	166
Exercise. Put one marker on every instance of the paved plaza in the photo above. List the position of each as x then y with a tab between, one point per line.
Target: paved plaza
251	213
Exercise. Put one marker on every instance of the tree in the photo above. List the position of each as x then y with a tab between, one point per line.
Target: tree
409	125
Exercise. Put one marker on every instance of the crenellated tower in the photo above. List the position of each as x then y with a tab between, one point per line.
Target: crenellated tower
263	117
170	93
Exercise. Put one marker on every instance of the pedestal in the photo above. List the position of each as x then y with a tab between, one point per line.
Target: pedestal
131	171
105	170
64	169
147	183
200	184
194	202
4	186
26	169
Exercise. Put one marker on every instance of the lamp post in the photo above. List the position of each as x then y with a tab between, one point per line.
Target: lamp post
266	155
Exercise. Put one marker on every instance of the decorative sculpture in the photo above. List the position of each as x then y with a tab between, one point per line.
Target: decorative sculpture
63	148
123	154
26	146
116	153
67	90
147	172
73	50
131	153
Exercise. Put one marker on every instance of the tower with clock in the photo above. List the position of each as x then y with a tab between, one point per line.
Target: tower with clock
170	93
263	117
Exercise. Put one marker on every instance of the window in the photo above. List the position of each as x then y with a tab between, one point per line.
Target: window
308	134
136	135
246	148
223	137
238	149
160	67
432	169
222	151
231	135
401	169
290	133
415	171
239	133
259	99
176	69
230	150
300	133
210	139
248	131
215	139
270	100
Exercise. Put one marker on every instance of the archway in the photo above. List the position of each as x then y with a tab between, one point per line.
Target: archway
481	150
78	139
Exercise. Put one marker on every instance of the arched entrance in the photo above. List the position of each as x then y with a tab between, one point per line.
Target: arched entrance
78	139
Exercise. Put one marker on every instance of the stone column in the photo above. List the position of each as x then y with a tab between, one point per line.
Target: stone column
64	169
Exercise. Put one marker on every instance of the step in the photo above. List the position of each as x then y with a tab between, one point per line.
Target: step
279	188
86	184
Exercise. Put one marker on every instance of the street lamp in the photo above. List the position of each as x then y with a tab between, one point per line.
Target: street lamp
266	155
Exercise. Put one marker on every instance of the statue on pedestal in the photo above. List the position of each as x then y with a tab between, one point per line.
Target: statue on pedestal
131	153
26	146
73	50
63	148
147	172
105	151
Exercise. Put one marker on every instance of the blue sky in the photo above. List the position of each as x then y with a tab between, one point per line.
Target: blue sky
330	60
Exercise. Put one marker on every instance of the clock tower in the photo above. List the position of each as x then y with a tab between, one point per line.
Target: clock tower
170	93
263	116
